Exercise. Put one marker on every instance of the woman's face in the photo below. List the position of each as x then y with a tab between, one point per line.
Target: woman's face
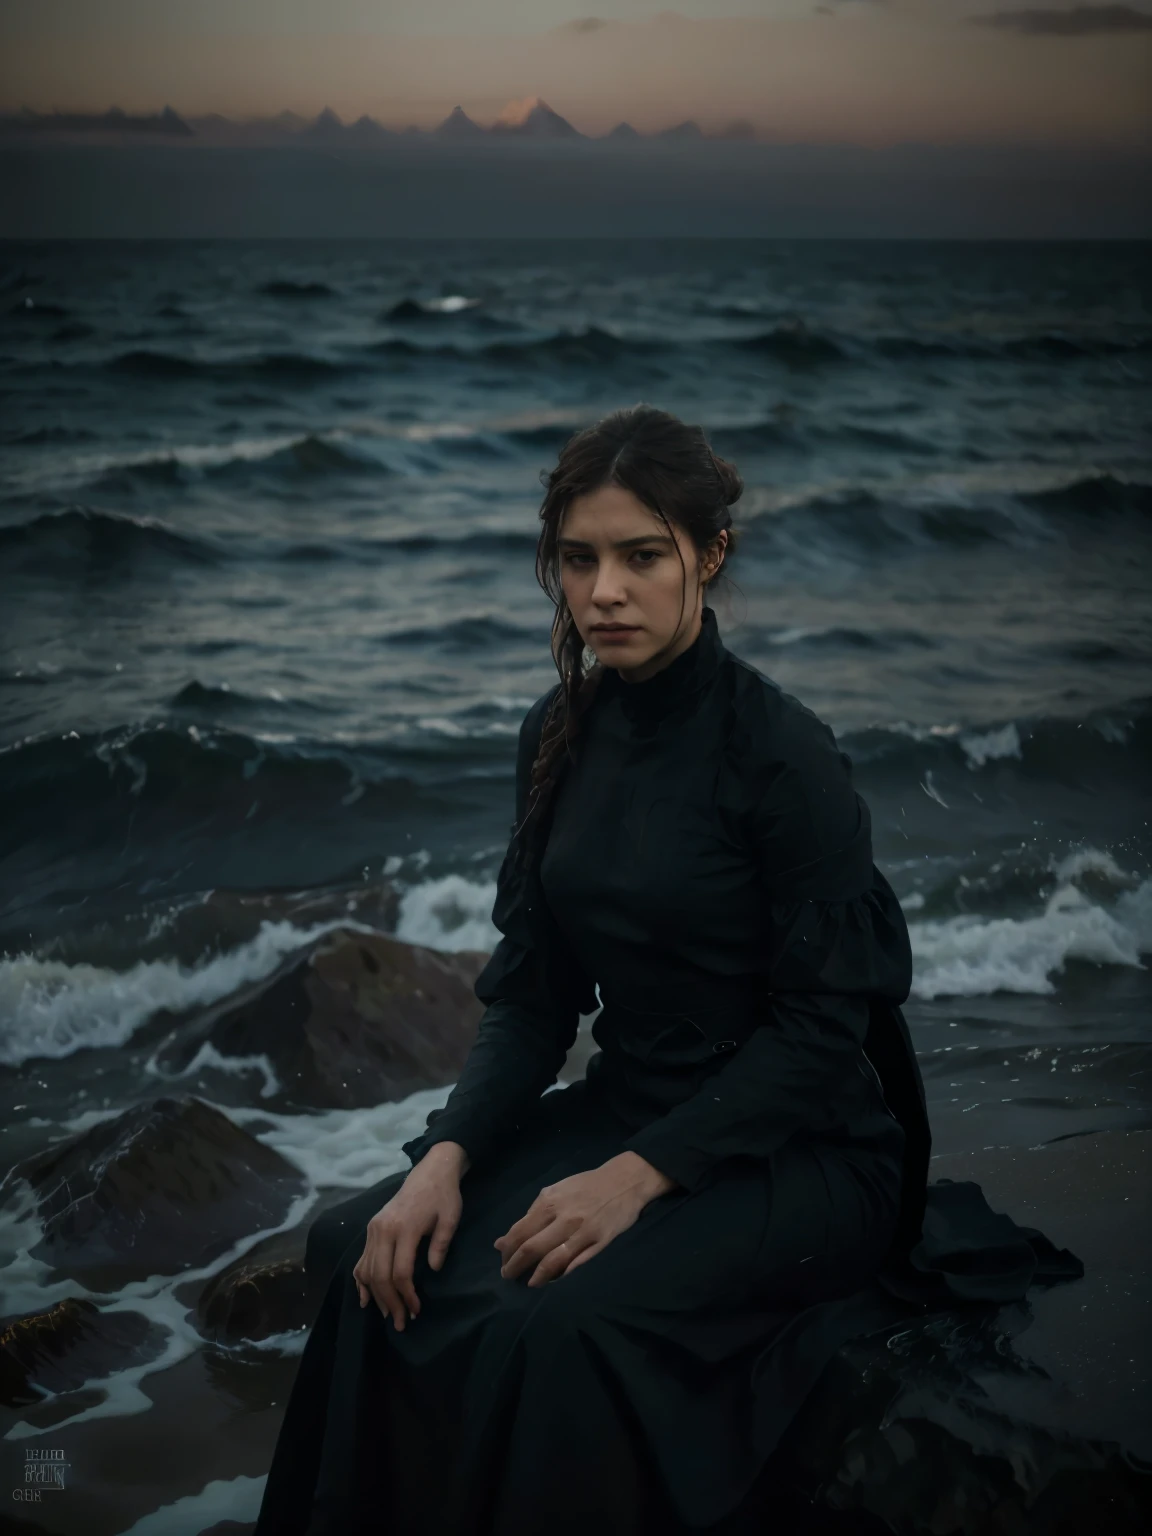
619	566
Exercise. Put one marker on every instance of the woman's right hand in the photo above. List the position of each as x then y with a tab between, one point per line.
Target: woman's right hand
427	1203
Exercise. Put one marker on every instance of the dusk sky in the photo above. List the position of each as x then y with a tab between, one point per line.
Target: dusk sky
821	71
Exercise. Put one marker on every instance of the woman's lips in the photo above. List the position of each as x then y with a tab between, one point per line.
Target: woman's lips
616	634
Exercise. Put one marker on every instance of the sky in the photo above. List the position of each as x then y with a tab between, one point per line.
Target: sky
863	72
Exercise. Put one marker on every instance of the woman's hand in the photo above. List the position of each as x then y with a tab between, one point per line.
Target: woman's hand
569	1222
428	1201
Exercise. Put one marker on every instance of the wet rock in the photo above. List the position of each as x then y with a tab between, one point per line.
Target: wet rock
265	1293
353	1021
257	1301
1022	1419
163	1187
62	1347
942	1429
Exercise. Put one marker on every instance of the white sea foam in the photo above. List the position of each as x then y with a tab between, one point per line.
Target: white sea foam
48	1008
194	456
236	1498
234	1066
350	1150
982	747
971	956
962	956
451	913
343	1148
1092	861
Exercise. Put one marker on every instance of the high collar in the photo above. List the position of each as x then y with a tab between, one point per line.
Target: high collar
676	686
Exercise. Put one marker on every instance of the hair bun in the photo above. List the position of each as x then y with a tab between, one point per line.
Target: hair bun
730	481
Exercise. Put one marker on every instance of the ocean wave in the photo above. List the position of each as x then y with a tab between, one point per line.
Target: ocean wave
286	367
872	521
172	762
464	636
1033	346
489	541
52	1009
971	955
789	432
496	542
283	289
47	543
42	437
451	913
178	768
590	346
841	638
548	436
446	307
1094	496
1095	749
215	699
310	457
367	450
792	343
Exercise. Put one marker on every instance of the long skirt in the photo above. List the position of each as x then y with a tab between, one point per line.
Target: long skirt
641	1393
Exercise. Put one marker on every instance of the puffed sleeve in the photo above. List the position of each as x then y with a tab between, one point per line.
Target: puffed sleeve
525	1034
834	939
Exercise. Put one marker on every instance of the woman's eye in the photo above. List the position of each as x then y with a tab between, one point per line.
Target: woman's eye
645	555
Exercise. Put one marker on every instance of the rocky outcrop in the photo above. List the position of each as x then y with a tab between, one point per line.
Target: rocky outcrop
1027	1419
352	1021
942	1428
64	1346
164	1187
264	1293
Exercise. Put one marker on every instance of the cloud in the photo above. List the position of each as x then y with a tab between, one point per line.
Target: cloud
584	24
1080	21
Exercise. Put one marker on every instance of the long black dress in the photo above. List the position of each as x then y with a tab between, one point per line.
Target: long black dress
708	868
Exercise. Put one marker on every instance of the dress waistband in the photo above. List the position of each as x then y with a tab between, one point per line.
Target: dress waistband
724	1017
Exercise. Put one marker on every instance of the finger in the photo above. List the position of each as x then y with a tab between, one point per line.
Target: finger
442	1235
388	1300
379	1280
358	1274
556	1263
538	1215
534	1249
403	1263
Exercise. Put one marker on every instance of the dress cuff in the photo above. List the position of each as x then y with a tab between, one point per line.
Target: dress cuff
669	1156
428	1138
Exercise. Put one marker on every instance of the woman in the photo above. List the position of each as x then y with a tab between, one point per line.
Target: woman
630	1284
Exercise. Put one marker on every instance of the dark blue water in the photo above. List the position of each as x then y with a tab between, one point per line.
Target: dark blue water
269	625
268	515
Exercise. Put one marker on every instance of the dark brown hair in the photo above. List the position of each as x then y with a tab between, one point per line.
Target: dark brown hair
669	466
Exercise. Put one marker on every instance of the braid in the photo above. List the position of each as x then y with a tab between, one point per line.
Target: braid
561	726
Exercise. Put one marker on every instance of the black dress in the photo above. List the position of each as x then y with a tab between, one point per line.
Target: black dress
707	869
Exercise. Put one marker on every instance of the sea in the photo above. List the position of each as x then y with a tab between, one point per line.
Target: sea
269	624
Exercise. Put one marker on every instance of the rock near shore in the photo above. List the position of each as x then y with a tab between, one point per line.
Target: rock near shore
163	1187
352	1021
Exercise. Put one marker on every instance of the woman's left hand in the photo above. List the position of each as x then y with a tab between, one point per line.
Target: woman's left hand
569	1222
